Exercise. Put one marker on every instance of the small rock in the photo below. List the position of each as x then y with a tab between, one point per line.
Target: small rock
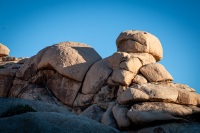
139	79
145	58
120	115
123	77
133	65
93	112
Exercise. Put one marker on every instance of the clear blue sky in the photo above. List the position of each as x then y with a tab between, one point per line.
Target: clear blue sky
27	26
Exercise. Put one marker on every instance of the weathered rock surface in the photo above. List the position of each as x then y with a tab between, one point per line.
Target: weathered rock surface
166	92
133	41
106	94
74	67
168	108
155	73
83	100
139	79
49	118
127	90
120	115
115	59
5	84
30	67
145	117
52	122
108	118
40	106
93	112
123	77
96	77
54	70
63	88
7	74
173	128
4	51
145	58
133	65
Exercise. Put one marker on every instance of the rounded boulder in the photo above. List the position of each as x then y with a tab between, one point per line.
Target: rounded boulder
4	51
70	59
135	41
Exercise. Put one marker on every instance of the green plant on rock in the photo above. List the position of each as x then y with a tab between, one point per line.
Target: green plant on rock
19	109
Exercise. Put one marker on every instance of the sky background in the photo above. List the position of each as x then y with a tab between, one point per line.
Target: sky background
27	26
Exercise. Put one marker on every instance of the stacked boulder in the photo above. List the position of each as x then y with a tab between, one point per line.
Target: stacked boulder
128	90
134	90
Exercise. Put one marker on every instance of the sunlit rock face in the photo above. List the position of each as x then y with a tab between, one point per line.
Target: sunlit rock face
4	51
129	90
55	74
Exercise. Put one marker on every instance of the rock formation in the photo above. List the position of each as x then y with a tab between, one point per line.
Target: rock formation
4	54
48	118
129	90
4	51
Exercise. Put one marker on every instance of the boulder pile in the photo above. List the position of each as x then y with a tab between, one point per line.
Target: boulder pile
128	90
134	89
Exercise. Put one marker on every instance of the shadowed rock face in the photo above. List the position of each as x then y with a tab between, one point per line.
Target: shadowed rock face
128	90
48	118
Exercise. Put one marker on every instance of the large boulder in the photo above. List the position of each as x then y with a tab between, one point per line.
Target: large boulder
59	57
4	51
58	69
147	117
48	118
92	84
168	108
30	67
120	115
161	92
156	72
134	41
52	122
39	106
